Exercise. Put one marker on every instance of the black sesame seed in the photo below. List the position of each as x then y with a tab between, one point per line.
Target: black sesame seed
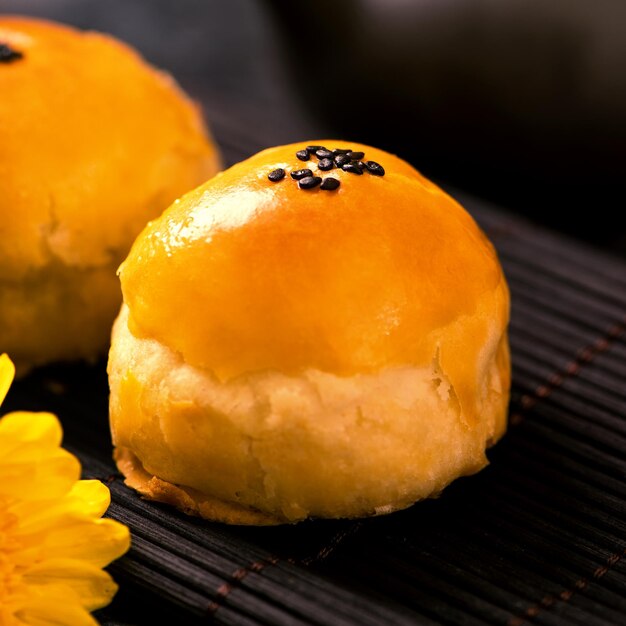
303	155
355	156
8	54
313	149
353	168
341	150
326	164
298	174
375	168
322	153
276	175
341	159
308	182
330	183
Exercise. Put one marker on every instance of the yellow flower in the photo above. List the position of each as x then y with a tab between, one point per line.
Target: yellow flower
53	542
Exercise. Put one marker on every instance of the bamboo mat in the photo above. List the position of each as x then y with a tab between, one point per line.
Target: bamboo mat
537	537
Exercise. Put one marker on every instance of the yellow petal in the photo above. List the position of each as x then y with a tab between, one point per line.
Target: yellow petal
98	542
7	372
44	428
93	587
50	476
55	607
94	497
86	500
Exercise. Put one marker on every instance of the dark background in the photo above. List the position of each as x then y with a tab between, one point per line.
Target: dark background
519	102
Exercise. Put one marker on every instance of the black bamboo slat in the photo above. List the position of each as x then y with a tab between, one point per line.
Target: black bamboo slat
538	537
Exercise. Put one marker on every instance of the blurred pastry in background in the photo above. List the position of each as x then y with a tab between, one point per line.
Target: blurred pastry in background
95	143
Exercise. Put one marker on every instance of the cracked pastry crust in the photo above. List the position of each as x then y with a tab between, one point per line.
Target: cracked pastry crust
188	500
268	448
95	142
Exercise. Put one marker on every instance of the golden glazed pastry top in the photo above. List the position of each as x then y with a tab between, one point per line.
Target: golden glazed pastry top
244	274
94	143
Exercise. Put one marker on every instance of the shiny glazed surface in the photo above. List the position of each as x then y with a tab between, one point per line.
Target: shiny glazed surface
244	274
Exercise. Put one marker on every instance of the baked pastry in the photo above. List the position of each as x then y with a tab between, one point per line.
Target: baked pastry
95	142
291	347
